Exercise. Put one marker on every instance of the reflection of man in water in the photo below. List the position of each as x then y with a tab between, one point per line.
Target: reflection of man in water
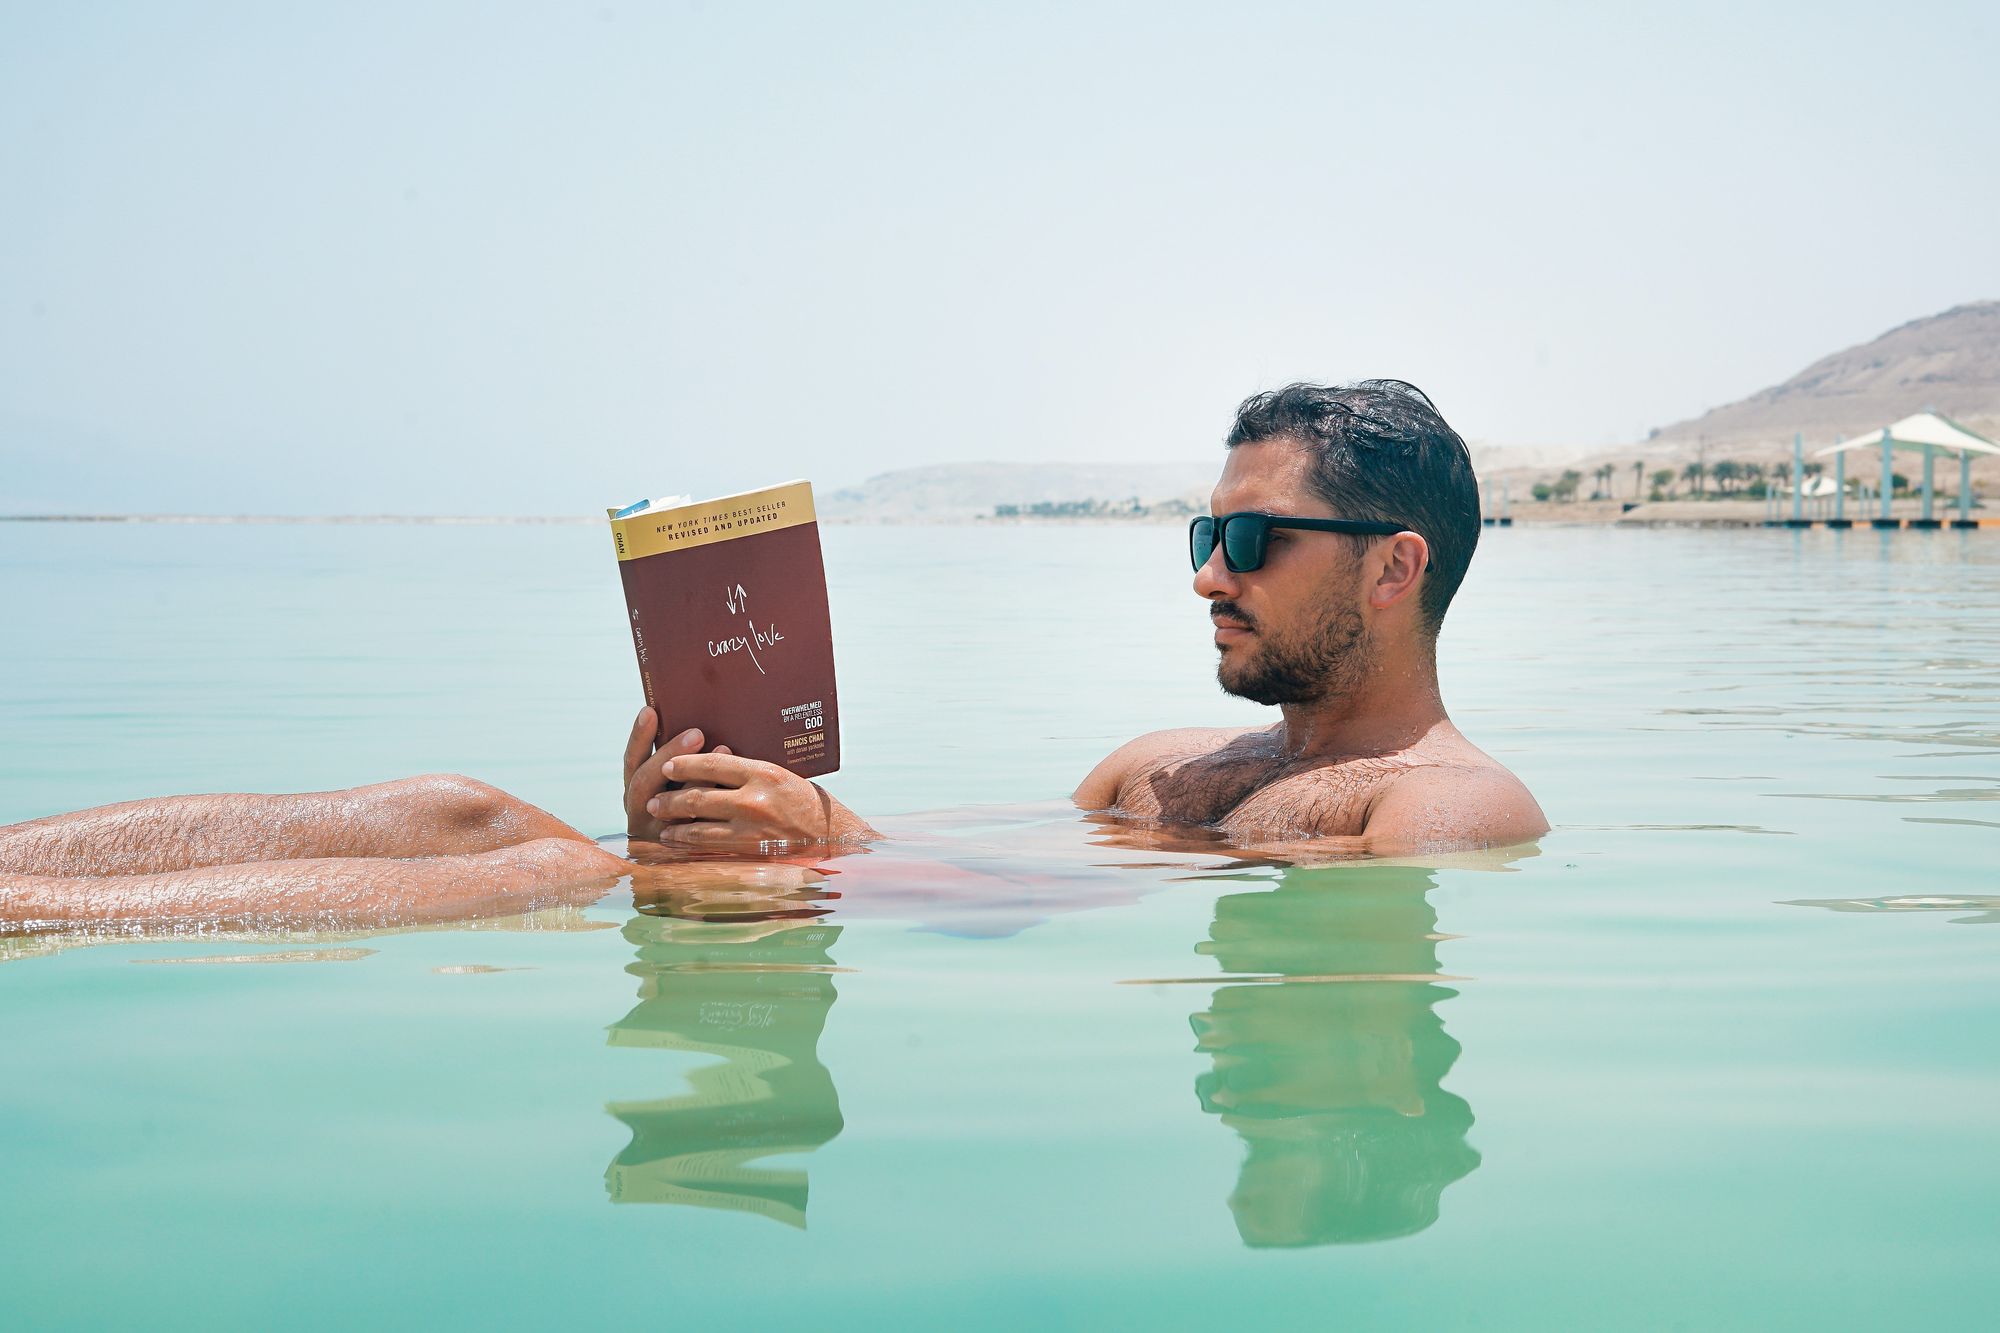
1344	521
757	994
1330	1070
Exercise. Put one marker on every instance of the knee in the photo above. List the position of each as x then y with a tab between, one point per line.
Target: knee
557	858
455	801
483	814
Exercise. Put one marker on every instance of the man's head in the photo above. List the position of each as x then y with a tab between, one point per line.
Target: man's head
1311	621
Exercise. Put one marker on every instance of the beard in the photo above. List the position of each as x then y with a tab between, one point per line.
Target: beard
1325	660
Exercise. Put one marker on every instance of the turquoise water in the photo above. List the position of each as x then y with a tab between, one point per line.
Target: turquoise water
1720	1056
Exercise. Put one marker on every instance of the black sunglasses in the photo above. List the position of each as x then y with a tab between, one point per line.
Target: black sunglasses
1246	535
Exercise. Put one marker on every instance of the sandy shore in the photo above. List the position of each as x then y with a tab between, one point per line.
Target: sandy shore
1721	513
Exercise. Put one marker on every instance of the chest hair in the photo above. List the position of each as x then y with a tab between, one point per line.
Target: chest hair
1249	787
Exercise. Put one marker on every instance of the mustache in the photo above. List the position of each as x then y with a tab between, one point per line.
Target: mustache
1231	611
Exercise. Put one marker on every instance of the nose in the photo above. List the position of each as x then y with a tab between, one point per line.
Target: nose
1214	581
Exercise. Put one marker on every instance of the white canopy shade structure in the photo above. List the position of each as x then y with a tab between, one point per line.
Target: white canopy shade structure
1929	434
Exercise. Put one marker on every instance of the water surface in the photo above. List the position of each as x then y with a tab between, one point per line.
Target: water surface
1719	1056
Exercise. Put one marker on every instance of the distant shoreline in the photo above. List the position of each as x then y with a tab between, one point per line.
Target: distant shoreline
456	519
1585	513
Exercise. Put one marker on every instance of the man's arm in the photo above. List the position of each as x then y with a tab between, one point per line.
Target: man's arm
336	893
1448	809
1106	783
440	814
1100	787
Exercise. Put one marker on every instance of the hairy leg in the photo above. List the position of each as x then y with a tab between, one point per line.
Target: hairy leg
439	814
328	893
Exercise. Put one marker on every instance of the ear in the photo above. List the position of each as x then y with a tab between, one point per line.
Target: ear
1398	569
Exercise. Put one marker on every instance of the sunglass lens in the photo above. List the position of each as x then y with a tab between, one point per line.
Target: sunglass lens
1243	543
1201	541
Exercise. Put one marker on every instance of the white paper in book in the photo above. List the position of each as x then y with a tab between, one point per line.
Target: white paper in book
648	506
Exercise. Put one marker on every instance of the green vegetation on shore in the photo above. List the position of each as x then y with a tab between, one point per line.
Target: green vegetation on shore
1128	508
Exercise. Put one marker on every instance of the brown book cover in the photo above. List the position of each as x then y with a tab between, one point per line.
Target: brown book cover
727	603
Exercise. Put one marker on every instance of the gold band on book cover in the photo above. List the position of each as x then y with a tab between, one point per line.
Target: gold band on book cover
688	526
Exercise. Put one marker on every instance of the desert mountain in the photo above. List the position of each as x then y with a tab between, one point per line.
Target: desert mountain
1948	363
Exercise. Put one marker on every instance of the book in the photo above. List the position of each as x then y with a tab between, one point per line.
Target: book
727	604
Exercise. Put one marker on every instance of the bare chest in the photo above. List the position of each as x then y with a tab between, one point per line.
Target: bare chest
1258	794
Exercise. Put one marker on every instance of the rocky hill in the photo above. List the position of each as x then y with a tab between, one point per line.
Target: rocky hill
1949	363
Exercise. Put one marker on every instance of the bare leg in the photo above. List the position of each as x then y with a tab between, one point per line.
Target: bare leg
439	814
336	893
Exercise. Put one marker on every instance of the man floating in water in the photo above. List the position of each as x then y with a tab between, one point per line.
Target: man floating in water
1342	525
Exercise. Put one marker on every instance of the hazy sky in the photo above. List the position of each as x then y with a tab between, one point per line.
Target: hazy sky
545	257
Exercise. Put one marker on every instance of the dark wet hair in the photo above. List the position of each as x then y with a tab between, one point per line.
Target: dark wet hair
1381	451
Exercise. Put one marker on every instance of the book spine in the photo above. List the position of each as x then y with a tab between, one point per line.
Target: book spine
639	647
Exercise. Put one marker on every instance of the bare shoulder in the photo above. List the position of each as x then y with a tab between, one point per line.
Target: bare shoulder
1100	790
1476	802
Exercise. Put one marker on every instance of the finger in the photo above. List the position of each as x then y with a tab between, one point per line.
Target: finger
640	744
649	779
707	803
697	782
703	833
724	770
711	804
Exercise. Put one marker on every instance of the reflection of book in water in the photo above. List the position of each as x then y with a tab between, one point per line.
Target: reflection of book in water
726	600
756	995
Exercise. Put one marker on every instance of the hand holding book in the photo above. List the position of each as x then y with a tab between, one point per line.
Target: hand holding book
727	605
678	795
644	778
730	800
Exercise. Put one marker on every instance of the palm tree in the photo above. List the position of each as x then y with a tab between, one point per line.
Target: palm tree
1693	474
1638	476
1663	480
1725	471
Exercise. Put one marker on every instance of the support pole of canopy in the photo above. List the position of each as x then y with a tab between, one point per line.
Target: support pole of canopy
1888	477
1965	485
1798	477
1840	485
1928	451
